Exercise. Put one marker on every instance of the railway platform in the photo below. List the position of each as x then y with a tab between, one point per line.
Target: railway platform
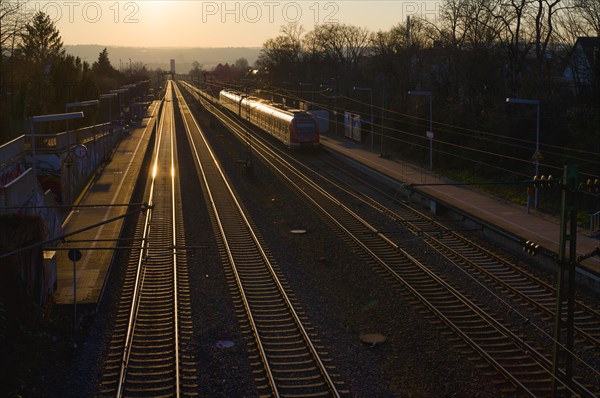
513	220
114	186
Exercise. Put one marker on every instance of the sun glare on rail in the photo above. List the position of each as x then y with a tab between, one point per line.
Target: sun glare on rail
172	171
154	170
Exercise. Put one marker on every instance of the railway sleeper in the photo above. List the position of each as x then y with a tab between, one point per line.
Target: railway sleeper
149	346
145	392
135	356
167	366
297	371
278	323
151	338
292	363
271	350
295	387
143	375
288	356
280	313
136	386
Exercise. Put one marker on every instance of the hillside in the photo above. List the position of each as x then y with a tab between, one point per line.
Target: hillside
159	57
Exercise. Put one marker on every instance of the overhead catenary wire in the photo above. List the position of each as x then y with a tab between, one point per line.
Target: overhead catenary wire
486	137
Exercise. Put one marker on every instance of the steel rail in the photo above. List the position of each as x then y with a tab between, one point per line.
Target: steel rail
174	252
142	270
505	331
592	333
139	270
447	238
272	380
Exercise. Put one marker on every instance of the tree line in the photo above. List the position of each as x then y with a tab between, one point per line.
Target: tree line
471	58
38	77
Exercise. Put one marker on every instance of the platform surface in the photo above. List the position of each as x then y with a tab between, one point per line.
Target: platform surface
116	183
113	185
509	217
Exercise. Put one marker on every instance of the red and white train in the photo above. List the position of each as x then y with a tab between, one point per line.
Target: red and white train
295	128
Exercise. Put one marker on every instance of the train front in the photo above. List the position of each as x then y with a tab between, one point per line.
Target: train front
305	131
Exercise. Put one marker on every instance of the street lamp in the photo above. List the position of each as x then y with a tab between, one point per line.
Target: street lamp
370	90
47	118
430	132
536	155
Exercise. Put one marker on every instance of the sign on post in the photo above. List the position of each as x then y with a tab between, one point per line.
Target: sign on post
74	255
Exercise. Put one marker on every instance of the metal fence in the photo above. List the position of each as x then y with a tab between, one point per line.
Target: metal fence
595	223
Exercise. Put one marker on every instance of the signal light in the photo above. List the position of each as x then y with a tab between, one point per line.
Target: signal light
531	247
543	182
592	186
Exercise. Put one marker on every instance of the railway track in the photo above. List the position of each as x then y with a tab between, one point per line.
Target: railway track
520	363
288	358
474	259
512	285
154	316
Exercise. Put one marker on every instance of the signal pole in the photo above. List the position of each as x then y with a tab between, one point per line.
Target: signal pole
565	285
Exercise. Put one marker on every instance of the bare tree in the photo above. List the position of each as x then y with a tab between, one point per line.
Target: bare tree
389	43
13	18
342	45
580	18
469	24
511	15
283	53
544	27
589	11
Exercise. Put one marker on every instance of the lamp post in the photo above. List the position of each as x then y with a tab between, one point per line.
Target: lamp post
536	155
333	88
312	91
430	132
370	90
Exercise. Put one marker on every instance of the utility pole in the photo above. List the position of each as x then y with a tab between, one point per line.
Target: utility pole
565	285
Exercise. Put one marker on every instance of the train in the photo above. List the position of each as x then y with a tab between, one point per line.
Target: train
294	128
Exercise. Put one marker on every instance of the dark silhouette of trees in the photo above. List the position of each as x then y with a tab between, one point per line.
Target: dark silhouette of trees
13	18
38	77
107	77
476	54
281	56
41	49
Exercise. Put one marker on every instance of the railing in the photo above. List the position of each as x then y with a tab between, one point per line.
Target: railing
11	151
60	141
595	223
16	178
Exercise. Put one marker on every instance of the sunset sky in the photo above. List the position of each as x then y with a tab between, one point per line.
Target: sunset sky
195	23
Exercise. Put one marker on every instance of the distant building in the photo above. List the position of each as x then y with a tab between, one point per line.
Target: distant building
172	66
581	67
